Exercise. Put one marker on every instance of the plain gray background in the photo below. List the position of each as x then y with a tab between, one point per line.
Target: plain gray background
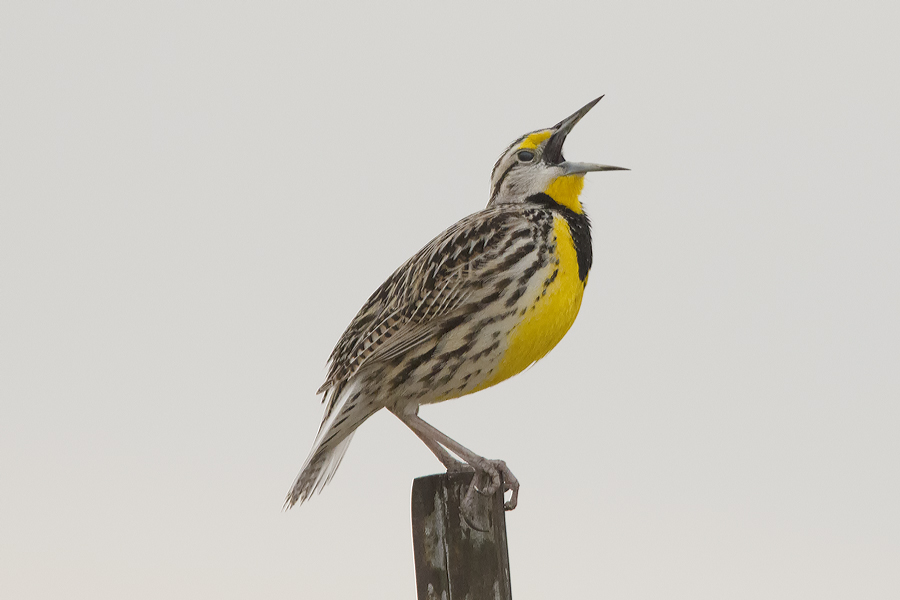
196	198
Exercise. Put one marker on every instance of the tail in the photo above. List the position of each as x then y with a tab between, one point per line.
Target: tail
317	471
348	412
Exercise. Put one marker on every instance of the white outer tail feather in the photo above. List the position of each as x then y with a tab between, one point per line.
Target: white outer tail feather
323	460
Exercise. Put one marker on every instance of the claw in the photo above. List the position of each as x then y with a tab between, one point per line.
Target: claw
496	474
475	503
510	483
490	470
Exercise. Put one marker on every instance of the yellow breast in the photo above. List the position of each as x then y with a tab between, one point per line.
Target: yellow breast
550	311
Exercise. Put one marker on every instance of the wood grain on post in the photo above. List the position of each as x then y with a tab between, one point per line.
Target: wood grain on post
458	557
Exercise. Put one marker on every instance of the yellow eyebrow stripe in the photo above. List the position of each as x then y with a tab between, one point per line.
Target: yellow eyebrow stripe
532	141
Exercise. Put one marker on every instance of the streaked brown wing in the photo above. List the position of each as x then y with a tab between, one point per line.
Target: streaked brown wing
414	303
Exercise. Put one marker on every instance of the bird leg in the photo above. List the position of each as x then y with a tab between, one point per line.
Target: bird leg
451	464
491	469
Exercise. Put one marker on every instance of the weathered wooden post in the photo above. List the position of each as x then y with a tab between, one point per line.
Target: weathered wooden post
458	556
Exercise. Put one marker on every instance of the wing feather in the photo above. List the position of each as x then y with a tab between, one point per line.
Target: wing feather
413	304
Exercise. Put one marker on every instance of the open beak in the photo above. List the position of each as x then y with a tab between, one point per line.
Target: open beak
573	168
553	149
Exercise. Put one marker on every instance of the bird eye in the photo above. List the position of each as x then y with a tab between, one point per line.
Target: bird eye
525	155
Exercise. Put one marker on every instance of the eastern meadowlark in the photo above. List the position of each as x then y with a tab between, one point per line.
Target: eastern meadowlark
481	302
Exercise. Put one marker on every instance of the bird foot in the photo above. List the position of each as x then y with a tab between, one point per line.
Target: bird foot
489	476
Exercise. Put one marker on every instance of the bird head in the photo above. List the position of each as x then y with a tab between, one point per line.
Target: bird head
534	164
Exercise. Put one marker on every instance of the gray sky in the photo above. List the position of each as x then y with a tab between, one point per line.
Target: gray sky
196	200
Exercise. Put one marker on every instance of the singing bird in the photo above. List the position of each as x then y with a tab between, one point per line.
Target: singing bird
478	304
